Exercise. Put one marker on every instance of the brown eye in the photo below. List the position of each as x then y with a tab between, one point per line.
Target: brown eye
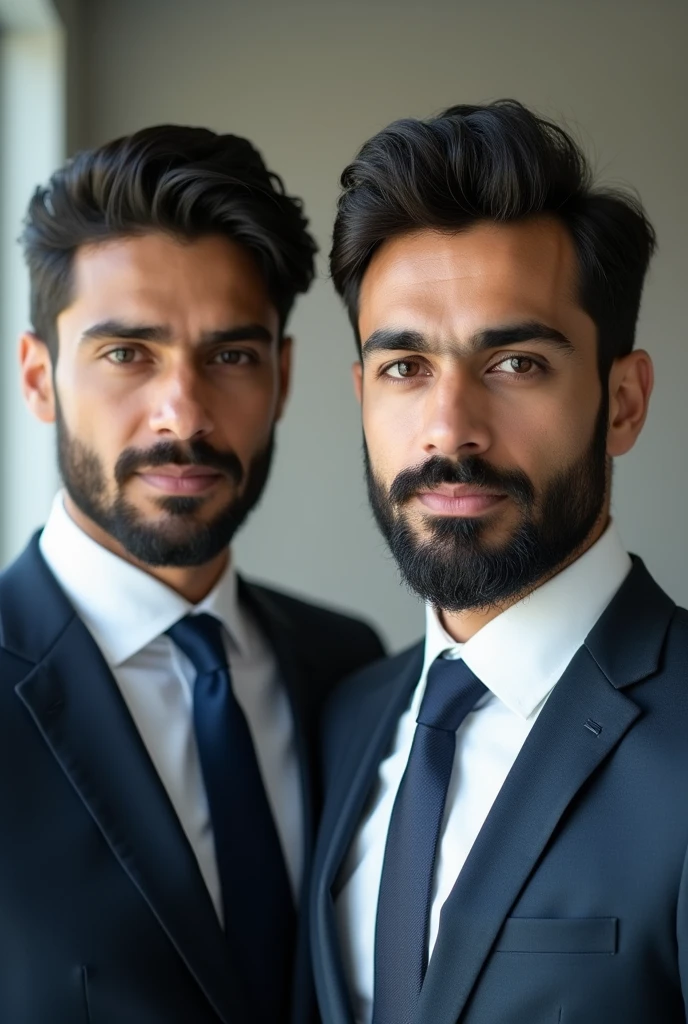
521	364
404	368
233	357
517	366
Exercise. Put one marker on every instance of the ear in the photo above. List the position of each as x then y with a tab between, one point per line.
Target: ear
37	377
285	363
357	374
630	385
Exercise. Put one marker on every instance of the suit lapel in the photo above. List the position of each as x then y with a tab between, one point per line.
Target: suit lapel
585	718
378	709
559	755
81	715
77	707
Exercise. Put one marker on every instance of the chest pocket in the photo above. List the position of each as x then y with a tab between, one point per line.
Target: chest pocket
558	935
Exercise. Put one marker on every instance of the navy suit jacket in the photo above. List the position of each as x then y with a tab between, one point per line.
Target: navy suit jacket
104	915
572	907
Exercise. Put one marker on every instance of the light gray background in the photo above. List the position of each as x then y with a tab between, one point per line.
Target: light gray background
308	82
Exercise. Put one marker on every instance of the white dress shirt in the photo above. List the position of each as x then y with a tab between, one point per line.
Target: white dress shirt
520	655
127	611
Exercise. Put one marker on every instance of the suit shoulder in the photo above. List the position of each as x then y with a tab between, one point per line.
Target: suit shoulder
381	670
311	615
369	677
680	619
327	628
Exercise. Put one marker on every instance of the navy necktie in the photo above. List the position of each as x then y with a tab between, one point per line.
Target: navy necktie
403	910
258	907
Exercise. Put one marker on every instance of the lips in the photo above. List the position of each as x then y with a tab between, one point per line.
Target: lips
464	491
181	479
460	500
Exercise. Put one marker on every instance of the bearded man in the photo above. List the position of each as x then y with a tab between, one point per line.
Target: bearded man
158	793
505	830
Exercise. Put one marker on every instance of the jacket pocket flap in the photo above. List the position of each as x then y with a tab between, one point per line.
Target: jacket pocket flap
558	935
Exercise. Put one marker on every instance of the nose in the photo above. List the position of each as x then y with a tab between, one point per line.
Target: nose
456	417
178	408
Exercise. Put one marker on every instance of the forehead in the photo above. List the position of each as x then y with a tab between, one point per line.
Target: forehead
155	274
460	281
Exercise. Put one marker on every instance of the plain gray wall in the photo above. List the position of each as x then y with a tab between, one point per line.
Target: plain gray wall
308	82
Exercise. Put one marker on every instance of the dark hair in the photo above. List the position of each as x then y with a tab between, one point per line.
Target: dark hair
499	162
189	182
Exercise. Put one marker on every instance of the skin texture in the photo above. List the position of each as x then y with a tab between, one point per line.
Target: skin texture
174	384
523	403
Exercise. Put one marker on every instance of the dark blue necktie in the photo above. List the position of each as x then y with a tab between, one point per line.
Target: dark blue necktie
258	907
403	910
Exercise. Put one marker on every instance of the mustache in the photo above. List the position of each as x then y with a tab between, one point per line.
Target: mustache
167	453
472	470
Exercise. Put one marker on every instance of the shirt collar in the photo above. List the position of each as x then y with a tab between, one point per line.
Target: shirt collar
124	607
523	652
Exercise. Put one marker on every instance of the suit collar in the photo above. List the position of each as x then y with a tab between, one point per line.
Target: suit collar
555	618
34	610
627	640
124	607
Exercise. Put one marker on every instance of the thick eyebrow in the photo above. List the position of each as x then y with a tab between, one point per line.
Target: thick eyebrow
515	334
391	340
248	332
160	334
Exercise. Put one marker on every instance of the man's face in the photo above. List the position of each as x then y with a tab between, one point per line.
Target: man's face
484	417
169	380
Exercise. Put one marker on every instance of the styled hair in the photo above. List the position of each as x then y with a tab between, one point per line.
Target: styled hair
501	163
188	182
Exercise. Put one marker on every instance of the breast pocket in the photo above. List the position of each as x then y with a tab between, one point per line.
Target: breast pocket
558	935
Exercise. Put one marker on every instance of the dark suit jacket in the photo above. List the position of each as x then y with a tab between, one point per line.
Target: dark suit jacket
104	916
572	907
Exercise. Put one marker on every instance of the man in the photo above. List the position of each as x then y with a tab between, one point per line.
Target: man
505	830
157	714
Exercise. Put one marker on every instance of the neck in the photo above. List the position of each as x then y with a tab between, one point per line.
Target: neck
193	583
462	625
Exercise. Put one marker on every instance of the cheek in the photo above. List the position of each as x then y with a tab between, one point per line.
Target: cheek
104	427
391	435
542	442
89	393
243	419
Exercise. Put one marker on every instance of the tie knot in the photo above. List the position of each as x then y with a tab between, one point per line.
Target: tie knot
200	638
450	693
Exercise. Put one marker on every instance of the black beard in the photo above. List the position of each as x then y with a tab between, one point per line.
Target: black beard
453	569
180	541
